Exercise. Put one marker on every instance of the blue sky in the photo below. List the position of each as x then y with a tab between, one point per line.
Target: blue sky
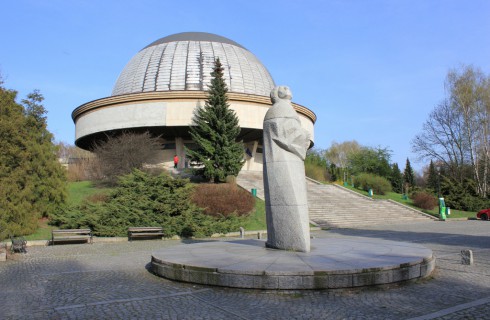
371	70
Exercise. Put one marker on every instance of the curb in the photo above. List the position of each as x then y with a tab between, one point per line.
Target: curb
45	243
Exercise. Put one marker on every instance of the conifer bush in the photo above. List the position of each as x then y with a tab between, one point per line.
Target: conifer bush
32	181
143	200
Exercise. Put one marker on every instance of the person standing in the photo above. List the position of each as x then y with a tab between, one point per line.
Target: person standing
176	161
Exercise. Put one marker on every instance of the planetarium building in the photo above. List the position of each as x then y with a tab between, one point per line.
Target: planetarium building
164	83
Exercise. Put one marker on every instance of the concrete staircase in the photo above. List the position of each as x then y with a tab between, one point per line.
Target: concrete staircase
249	180
333	206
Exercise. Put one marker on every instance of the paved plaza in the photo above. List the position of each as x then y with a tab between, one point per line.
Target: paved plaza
112	281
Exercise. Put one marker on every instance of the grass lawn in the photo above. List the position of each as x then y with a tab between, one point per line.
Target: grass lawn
454	213
77	191
43	231
398	197
256	221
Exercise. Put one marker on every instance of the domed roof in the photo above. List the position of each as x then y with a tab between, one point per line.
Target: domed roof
184	61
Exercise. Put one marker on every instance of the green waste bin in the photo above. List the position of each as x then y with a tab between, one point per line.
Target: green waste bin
371	193
442	209
254	192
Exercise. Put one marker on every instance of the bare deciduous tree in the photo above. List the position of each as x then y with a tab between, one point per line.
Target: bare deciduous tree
339	153
457	132
120	154
80	164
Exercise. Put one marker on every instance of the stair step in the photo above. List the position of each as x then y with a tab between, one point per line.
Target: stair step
334	206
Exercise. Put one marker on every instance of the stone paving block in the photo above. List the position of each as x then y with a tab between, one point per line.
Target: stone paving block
266	282
383	277
414	271
240	281
168	271
290	282
319	281
363	279
427	267
215	279
401	274
339	281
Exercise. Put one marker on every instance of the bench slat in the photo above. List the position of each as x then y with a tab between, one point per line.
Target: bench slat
72	231
71	235
74	237
135	232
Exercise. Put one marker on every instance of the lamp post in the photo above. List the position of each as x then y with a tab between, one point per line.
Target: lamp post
439	183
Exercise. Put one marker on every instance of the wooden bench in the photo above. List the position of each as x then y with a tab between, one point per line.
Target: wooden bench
144	232
68	235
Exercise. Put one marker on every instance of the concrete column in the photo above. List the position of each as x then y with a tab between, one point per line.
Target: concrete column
251	161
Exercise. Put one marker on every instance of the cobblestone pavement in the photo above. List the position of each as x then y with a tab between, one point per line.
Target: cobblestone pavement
111	281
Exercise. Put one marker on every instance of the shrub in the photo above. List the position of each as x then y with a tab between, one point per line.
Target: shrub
424	200
462	196
118	155
366	181
316	172
97	197
142	199
223	199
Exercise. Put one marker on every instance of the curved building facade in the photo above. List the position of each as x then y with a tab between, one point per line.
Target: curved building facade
164	83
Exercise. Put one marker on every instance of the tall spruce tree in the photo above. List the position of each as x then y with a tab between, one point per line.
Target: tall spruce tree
32	182
432	178
396	178
409	174
215	130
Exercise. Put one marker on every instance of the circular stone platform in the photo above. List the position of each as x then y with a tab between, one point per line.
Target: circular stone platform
332	263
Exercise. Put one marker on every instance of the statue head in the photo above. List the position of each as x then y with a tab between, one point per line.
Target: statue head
281	93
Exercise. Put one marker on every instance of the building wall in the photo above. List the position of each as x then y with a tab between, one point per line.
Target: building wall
131	115
143	110
166	113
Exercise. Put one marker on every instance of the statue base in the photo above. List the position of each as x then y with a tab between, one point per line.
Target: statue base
331	263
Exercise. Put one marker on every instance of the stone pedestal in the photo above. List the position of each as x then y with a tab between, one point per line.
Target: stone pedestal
331	264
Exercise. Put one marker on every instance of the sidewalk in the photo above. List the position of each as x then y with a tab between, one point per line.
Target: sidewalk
111	281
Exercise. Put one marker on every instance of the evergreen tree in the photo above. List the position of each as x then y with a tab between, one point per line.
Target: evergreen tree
432	179
334	172
32	182
215	130
396	178
409	175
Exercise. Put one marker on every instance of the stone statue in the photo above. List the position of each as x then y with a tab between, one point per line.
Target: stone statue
285	146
